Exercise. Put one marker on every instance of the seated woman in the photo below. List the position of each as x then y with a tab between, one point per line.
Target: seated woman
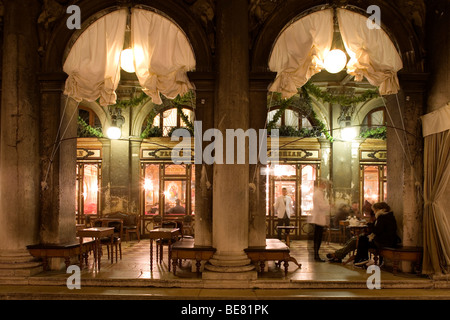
384	233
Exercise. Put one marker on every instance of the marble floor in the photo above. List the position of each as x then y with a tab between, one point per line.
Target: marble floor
131	278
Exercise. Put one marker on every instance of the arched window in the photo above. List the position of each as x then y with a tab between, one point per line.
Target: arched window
291	118
89	124
170	118
375	118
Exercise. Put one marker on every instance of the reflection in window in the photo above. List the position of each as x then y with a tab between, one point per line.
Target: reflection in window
151	188
87	188
308	179
175	197
371	184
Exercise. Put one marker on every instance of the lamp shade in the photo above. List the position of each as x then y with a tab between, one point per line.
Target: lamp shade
335	61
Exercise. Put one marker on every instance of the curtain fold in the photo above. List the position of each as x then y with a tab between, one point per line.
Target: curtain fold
299	52
372	53
93	62
436	218
163	55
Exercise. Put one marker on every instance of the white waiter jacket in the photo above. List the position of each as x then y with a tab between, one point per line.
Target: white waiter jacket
281	207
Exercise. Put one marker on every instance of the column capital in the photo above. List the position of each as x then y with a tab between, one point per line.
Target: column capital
413	82
203	81
52	82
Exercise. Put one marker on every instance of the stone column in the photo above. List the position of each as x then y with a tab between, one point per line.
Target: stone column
259	83
135	187
204	112
231	111
58	160
19	154
405	159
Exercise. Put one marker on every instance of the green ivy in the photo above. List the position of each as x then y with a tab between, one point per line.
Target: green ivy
343	100
87	131
375	133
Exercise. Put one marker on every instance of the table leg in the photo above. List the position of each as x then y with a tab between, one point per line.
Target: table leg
169	248
262	265
288	242
286	266
151	255
81	253
174	262
99	253
198	264
112	250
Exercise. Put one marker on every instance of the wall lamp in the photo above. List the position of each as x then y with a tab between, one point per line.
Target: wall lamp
114	132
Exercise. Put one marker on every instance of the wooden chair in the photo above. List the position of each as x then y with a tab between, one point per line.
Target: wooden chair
187	229
118	234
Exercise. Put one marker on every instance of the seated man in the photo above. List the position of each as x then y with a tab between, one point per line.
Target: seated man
178	208
342	214
350	245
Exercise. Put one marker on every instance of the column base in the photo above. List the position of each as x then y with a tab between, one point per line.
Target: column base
18	263
229	267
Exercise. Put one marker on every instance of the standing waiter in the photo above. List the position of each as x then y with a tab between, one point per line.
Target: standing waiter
283	208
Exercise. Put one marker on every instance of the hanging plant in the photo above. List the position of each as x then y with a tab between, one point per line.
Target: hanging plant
87	131
374	133
343	100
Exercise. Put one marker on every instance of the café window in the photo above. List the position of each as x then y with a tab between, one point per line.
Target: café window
169	119
169	189
87	189
373	183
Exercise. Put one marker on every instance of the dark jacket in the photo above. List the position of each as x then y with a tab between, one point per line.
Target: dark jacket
385	230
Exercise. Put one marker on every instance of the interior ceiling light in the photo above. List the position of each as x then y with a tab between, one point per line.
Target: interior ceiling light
127	60
336	59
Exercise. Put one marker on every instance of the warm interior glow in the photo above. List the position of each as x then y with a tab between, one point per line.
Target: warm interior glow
127	60
148	185
114	133
335	61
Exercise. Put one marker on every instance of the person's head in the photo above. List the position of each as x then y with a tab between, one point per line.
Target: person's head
284	191
381	206
355	205
323	184
178	202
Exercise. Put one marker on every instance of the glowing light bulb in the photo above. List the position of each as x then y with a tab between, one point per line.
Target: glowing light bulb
127	60
335	61
114	133
348	134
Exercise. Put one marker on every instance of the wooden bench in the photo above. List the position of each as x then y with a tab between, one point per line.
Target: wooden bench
186	249
404	253
61	250
275	250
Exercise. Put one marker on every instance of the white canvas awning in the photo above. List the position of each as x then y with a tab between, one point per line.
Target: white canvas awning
300	50
372	53
93	61
162	57
436	121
